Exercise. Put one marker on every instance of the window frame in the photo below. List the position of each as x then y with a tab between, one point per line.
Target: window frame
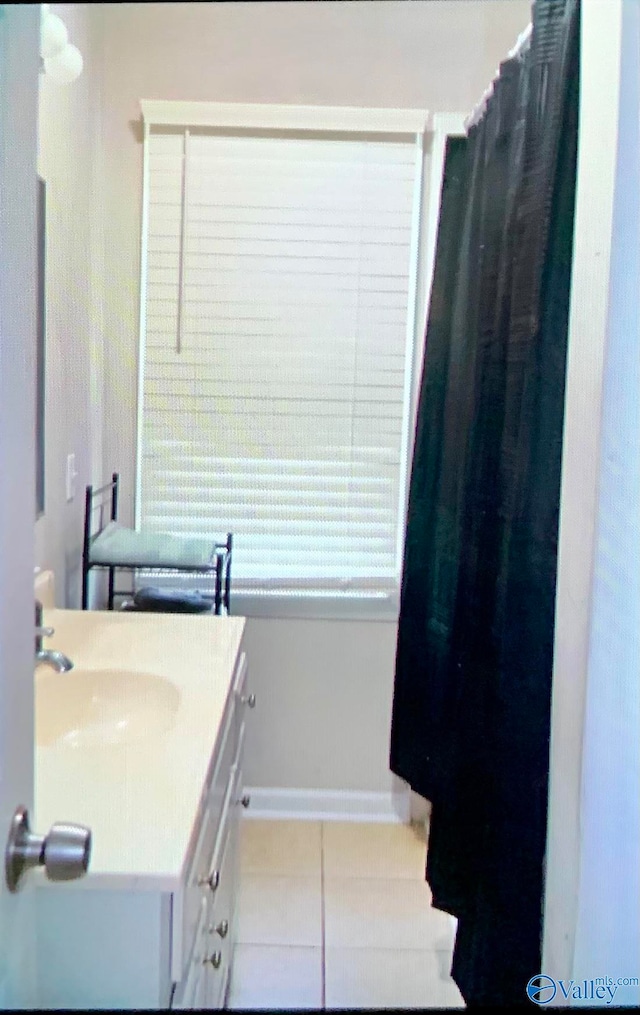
429	134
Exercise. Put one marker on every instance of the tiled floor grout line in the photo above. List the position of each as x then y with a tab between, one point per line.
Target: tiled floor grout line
322	918
350	874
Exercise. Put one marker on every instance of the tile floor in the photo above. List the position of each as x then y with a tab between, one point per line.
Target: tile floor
338	915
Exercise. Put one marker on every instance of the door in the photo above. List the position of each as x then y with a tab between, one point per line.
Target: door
19	60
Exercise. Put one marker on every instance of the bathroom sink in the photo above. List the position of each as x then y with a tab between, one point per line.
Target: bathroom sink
85	708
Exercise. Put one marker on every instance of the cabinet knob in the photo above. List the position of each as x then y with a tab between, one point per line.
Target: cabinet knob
209	881
214	960
221	928
248	699
245	800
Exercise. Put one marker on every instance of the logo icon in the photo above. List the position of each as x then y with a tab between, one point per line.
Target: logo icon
541	989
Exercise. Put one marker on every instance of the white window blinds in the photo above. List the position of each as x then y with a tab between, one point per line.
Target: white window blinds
277	326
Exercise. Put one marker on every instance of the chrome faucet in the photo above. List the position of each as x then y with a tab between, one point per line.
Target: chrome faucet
58	660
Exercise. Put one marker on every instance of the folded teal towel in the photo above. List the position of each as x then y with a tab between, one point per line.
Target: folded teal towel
122	547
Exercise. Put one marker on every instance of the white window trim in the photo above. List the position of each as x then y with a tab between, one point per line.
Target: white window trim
267	116
355	120
316	607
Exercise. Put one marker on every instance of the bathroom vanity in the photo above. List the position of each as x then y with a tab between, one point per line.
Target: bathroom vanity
143	742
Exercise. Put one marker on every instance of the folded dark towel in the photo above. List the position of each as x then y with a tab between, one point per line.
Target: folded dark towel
170	601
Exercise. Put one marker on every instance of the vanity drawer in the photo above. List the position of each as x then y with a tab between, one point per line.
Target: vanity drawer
220	931
203	878
210	944
188	902
196	886
190	992
213	811
224	756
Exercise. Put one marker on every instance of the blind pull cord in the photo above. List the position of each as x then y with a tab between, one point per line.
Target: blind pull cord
183	241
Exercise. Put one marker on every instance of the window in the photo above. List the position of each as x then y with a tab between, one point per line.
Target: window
278	312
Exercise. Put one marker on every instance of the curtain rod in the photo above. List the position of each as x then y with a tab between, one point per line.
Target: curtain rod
521	45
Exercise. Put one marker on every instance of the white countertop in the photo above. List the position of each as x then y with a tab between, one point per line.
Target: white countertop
140	799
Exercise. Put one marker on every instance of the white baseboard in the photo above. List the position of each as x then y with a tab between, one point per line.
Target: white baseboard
328	805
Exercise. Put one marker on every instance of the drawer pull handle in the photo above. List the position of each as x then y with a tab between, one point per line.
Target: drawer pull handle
248	699
212	881
221	928
245	800
215	960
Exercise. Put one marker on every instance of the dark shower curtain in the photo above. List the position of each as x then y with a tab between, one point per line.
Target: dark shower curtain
471	710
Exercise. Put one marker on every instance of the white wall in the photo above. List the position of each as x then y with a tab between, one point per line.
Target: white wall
325	688
592	905
68	160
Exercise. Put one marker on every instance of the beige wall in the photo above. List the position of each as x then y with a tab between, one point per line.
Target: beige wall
68	160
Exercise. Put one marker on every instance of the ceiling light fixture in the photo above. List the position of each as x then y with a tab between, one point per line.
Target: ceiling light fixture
60	60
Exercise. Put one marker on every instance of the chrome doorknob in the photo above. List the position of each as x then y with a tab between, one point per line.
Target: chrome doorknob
215	960
221	928
210	881
248	699
64	852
